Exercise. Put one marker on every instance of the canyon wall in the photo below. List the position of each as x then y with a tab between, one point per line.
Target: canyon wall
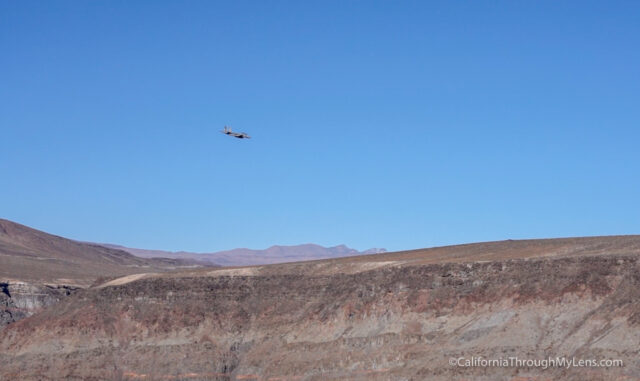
384	320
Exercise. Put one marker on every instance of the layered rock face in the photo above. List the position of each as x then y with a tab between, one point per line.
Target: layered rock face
378	319
19	299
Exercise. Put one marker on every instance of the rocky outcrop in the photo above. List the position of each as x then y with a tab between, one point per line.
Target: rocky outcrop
19	299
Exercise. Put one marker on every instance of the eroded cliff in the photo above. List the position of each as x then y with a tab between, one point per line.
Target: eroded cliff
20	299
386	320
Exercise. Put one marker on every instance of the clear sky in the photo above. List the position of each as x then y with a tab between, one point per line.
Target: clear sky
396	124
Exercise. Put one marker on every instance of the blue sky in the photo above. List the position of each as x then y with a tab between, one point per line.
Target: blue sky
397	124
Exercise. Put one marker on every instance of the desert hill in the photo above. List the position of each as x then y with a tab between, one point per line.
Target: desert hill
31	255
392	316
38	269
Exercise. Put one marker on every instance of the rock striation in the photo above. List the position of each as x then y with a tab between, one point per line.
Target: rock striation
20	299
393	316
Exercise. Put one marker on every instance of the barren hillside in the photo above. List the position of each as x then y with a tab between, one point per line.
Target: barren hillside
395	316
38	270
31	255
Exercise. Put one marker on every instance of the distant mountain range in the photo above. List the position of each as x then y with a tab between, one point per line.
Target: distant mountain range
246	257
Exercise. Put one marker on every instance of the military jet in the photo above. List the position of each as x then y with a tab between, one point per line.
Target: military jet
239	135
